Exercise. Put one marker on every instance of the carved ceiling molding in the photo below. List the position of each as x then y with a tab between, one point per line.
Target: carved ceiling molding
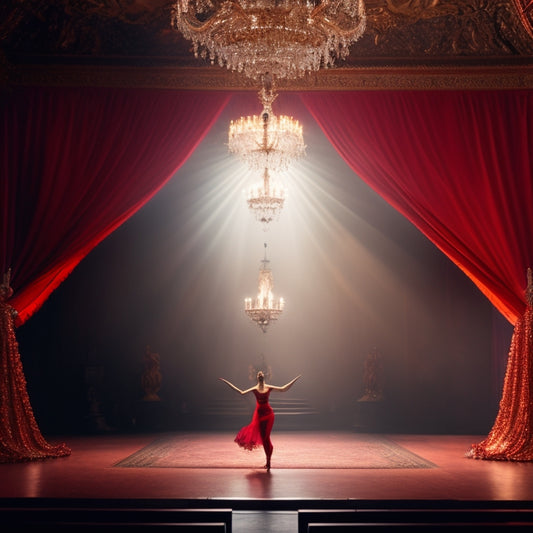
400	29
213	79
450	28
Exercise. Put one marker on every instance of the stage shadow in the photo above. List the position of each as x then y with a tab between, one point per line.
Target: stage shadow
260	482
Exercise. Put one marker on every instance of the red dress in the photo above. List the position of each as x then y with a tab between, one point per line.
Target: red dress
257	433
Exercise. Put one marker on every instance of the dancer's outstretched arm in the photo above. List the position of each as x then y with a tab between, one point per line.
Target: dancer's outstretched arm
237	388
287	386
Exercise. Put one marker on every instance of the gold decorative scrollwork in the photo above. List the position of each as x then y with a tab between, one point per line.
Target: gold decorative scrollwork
440	28
525	12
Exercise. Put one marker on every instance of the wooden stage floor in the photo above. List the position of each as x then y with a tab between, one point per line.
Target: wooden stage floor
90	473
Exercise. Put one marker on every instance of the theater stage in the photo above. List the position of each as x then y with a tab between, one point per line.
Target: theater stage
440	472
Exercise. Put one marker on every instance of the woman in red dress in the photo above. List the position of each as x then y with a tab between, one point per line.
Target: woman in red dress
257	433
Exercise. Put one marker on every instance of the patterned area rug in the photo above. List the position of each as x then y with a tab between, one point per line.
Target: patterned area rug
291	450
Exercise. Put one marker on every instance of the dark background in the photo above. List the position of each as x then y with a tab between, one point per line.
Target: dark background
355	275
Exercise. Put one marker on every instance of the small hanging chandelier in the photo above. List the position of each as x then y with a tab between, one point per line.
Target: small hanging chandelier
266	200
264	309
285	38
266	141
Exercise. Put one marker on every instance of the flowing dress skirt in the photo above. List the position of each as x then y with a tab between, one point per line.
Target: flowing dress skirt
255	434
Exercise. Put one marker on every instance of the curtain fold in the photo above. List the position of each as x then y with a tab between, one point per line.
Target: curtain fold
75	164
459	166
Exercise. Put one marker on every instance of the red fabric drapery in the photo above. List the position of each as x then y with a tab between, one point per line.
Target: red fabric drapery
75	164
456	164
459	166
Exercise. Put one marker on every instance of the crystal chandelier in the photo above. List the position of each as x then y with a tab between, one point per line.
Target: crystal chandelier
266	200
266	141
264	309
285	38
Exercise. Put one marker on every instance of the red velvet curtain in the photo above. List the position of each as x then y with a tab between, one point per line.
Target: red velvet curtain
456	164
75	164
459	166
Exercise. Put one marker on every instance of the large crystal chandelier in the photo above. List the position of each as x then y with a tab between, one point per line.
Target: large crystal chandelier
266	141
264	309
285	38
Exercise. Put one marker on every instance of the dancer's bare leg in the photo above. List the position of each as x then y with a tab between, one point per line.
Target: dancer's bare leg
265	428
268	452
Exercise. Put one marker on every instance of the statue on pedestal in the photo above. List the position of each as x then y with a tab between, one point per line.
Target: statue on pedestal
373	377
151	377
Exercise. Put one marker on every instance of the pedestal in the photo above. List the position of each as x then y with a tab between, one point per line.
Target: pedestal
369	416
151	415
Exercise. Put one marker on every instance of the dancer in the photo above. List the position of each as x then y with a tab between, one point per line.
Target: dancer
257	433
